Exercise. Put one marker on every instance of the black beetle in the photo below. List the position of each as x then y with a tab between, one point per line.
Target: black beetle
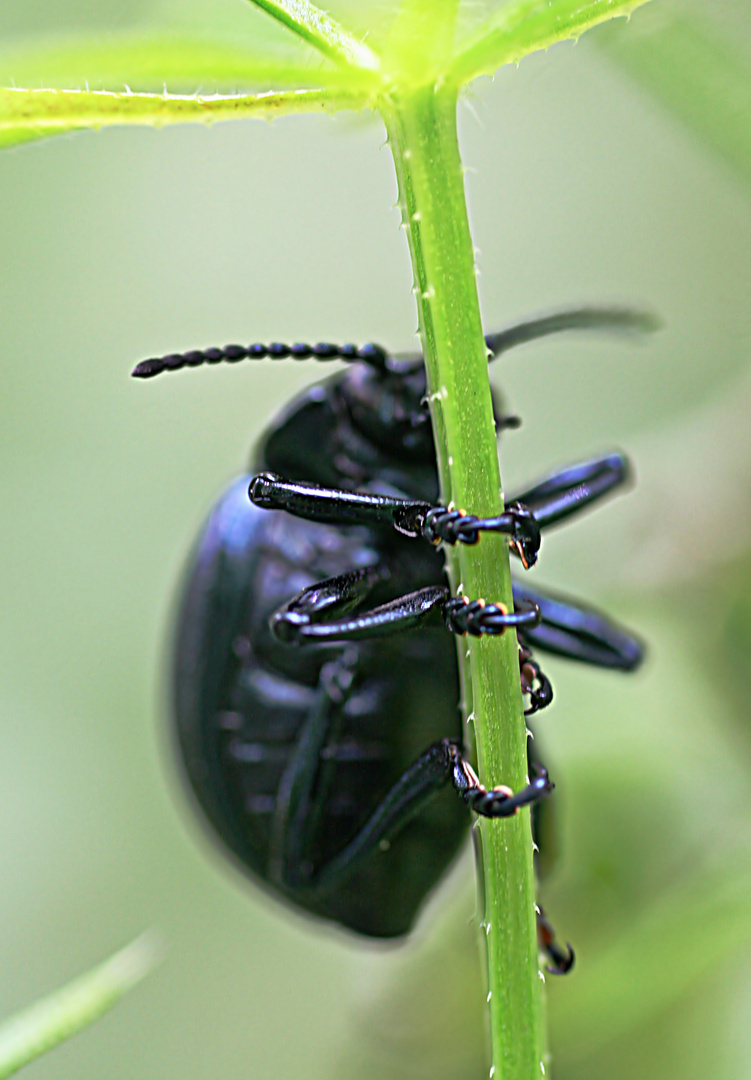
322	751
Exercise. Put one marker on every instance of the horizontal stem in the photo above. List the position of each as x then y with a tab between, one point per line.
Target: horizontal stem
33	114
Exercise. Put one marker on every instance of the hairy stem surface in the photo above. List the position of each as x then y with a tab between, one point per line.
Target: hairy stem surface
423	140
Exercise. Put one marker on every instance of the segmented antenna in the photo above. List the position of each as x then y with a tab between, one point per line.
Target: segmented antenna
613	320
231	354
606	319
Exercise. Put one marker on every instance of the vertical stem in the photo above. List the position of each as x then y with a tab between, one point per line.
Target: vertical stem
423	140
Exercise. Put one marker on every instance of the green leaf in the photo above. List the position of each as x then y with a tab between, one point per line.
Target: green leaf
676	944
40	1028
323	32
527	26
153	62
701	76
34	114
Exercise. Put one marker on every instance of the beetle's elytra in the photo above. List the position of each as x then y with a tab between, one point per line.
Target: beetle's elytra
315	680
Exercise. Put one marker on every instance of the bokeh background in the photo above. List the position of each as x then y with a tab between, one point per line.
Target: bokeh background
587	183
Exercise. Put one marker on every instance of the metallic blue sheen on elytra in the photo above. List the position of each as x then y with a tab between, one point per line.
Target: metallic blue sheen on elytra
241	700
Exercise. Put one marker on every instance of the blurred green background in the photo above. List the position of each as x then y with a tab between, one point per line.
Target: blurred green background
125	244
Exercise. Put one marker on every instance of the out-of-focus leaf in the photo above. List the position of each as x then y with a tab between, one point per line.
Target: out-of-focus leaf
150	63
651	537
34	114
423	1014
690	65
683	937
425	1018
516	30
63	1014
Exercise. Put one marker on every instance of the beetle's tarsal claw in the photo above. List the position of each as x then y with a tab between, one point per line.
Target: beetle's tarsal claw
525	538
475	617
535	683
561	960
459	527
502	801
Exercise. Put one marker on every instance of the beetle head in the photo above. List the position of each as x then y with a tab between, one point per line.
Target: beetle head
389	406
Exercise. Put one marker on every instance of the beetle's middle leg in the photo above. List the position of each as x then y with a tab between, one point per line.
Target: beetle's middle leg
315	613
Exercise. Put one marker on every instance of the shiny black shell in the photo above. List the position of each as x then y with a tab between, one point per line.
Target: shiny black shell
241	697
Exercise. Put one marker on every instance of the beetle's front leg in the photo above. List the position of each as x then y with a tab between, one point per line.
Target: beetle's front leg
578	632
575	488
410	517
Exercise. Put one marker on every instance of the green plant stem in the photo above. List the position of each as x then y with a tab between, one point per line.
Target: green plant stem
423	139
321	31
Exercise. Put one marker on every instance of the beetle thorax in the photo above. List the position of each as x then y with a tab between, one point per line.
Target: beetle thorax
366	428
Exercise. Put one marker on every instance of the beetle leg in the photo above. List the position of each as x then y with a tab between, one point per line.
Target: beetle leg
410	517
569	628
294	821
551	623
311	615
561	961
421	781
547	503
574	488
303	616
496	802
534	681
441	763
476	617
334	506
457	526
552	500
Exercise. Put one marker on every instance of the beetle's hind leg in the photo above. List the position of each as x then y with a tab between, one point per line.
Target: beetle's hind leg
442	763
494	802
561	960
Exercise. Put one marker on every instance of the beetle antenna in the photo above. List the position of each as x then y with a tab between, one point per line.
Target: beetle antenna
608	319
371	354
